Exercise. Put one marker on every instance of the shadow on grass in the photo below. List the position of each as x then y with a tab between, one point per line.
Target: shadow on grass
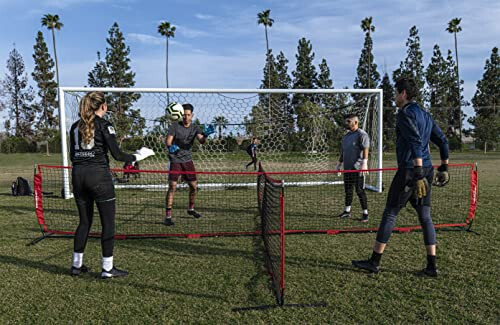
39	265
91	277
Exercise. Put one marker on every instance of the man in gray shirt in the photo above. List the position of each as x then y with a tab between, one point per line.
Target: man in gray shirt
180	139
354	156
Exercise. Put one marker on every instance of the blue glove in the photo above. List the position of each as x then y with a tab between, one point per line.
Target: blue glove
209	129
173	148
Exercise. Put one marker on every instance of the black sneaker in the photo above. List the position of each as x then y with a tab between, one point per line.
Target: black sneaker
344	215
430	272
366	265
168	222
194	214
364	218
113	273
76	271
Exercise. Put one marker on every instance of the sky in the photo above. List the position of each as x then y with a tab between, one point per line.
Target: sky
218	44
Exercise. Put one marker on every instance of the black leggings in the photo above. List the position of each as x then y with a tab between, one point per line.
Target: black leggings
399	194
254	162
358	181
94	184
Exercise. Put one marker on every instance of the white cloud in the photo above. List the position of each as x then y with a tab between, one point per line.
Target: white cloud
146	39
68	3
204	16
191	32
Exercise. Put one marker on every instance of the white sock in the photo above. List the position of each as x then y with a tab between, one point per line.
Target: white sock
77	259
348	208
107	263
365	211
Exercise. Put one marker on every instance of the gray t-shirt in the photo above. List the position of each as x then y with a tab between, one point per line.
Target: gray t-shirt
353	144
184	138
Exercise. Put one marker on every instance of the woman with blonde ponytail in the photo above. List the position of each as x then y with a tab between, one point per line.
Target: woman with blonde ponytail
91	137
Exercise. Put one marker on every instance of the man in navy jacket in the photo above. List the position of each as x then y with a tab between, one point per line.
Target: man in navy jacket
414	129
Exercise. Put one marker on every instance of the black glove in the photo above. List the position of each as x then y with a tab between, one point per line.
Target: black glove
442	176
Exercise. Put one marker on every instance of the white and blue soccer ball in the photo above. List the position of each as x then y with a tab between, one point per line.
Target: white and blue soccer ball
175	111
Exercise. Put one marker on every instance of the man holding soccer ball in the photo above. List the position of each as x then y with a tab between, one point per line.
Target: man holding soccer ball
180	139
414	129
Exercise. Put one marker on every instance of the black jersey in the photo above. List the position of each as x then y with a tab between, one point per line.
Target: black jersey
96	152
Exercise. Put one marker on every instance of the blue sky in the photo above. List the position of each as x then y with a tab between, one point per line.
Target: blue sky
218	44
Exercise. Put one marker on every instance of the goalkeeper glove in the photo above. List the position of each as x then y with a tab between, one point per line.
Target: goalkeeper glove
338	167
173	148
209	129
364	167
442	176
143	153
421	185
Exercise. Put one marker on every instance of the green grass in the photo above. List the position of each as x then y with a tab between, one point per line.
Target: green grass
201	280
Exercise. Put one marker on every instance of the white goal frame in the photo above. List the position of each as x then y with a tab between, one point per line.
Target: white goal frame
63	128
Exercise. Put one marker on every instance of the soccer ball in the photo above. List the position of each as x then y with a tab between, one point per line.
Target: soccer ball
175	111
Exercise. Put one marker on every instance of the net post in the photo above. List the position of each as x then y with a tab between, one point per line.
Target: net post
282	241
64	144
380	101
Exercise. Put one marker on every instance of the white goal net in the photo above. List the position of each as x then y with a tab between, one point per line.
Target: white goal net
297	129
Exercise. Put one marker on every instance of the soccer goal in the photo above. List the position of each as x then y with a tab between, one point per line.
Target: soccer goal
297	129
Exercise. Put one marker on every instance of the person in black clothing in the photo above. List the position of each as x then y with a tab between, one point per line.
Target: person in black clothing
414	129
252	151
90	139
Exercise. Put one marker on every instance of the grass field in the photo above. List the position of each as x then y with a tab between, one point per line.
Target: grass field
202	280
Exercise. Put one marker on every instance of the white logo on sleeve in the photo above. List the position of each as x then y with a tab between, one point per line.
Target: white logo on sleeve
111	130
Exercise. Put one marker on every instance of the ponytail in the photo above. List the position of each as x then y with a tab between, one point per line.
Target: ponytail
89	104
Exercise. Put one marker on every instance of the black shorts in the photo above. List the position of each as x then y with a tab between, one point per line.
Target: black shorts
401	190
92	182
186	166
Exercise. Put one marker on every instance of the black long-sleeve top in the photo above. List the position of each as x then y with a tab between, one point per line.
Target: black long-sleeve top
96	152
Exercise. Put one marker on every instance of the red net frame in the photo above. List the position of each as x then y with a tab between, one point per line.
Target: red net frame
453	206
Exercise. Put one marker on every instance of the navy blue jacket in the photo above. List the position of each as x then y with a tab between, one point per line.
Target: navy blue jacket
414	128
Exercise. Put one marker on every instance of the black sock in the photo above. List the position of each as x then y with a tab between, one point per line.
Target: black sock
431	262
375	259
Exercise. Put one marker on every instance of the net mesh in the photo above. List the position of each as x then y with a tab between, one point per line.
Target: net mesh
270	201
229	206
295	131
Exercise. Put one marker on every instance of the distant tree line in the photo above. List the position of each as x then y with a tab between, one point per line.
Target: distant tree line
32	114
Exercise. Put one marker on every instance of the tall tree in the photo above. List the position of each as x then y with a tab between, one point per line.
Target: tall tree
221	123
99	76
168	31
454	28
52	22
284	101
485	102
43	74
454	99
270	80
284	82
436	95
332	106
128	121
19	95
389	127
367	74
412	66
264	18
304	77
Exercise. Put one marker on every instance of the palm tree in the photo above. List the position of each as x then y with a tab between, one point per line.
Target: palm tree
454	28
167	30
52	22
366	26
264	18
221	122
